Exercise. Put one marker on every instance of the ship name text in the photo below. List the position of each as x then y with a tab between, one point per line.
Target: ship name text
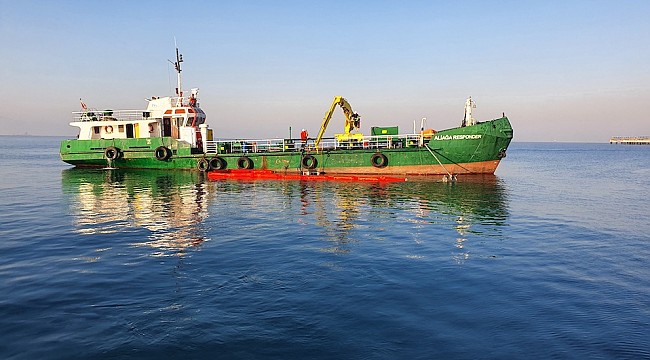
457	137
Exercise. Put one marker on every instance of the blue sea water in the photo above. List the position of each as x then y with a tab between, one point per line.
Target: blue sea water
549	258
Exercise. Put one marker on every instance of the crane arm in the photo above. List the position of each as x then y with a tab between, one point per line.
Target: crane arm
352	119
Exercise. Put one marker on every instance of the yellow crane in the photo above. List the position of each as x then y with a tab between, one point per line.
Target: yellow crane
352	121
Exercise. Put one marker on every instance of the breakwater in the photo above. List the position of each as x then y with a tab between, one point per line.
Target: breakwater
630	140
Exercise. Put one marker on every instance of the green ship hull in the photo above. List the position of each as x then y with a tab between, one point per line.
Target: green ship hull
475	149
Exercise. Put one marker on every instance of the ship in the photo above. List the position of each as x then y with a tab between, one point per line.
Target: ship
172	134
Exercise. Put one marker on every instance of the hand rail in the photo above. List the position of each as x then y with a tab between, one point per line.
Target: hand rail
229	146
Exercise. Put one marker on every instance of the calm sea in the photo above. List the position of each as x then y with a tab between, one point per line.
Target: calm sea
550	258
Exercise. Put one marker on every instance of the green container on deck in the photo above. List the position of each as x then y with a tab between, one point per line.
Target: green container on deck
384	130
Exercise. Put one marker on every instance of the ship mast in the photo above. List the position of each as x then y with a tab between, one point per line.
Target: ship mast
177	65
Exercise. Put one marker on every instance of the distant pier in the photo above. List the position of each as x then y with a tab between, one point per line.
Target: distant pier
630	140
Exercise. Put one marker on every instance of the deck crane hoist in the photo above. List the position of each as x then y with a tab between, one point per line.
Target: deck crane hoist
352	122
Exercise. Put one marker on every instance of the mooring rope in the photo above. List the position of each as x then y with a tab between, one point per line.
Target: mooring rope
435	157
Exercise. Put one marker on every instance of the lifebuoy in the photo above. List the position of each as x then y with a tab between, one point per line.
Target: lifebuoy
203	165
379	160
108	129
162	153
150	128
218	163
309	162
112	153
244	162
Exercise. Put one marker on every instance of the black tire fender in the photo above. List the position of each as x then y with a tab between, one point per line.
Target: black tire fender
203	165
218	163
162	153
379	160
112	153
309	162
245	162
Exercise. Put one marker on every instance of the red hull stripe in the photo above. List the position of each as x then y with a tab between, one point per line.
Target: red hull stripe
271	175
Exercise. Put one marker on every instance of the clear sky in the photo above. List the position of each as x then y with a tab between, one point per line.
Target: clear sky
560	70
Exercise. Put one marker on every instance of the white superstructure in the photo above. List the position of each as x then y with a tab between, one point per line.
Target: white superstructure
178	116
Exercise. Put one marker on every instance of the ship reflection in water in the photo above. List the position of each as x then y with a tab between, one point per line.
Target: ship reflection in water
167	206
422	212
474	207
347	216
171	211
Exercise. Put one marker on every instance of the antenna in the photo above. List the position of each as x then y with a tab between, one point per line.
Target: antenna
177	66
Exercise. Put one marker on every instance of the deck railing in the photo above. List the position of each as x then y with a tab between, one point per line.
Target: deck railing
233	146
110	115
126	115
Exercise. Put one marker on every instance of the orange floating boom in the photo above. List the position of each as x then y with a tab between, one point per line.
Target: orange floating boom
243	174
